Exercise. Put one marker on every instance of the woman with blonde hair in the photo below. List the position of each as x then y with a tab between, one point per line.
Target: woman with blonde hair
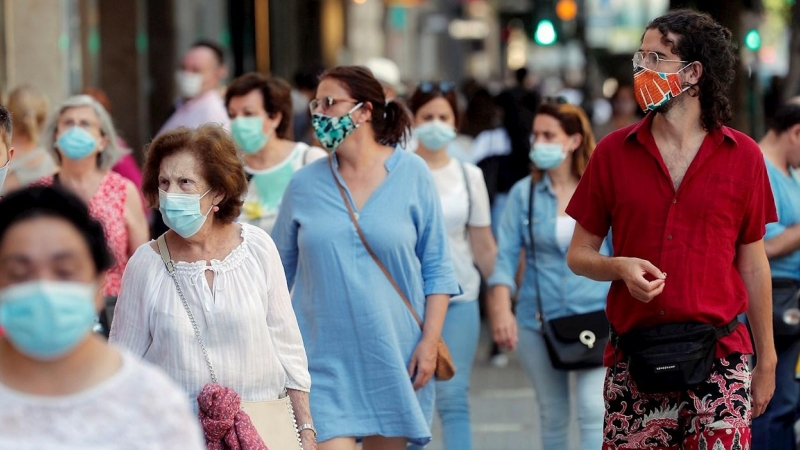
535	221
29	109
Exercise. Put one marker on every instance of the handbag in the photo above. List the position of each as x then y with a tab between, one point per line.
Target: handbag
445	369
671	357
273	419
573	342
785	308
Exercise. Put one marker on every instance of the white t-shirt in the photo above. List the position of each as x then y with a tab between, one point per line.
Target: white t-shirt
565	228
455	206
137	408
266	187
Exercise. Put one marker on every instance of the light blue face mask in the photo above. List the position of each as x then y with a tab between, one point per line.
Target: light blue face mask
248	133
181	212
435	134
44	319
547	155
76	143
332	131
3	174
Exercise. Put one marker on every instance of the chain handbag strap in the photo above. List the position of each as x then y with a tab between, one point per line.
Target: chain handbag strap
164	251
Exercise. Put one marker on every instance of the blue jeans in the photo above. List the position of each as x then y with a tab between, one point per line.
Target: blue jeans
553	396
774	430
460	333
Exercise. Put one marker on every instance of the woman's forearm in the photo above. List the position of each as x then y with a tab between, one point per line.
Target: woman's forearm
302	409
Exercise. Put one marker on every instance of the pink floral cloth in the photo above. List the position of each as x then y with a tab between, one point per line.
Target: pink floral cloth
225	425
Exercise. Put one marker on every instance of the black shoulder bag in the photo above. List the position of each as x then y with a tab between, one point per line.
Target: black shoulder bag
573	342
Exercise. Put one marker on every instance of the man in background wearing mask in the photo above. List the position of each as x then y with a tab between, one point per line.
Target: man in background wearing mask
689	197
6	150
201	71
781	147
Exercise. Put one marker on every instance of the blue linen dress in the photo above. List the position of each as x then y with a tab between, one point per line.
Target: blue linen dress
358	334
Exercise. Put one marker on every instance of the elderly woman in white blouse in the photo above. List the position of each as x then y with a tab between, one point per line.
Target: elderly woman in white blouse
230	274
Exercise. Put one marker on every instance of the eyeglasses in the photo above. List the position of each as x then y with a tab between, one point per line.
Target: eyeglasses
444	87
558	100
650	60
326	103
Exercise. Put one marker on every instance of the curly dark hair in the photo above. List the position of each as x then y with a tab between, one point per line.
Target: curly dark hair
701	39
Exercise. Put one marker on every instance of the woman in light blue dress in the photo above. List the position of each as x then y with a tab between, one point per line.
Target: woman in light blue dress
370	363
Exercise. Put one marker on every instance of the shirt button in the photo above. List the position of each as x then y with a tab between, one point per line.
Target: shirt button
661	312
525	222
669	237
674	200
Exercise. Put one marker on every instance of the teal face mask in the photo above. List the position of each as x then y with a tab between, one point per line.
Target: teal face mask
248	133
435	134
181	212
547	156
76	143
332	131
45	320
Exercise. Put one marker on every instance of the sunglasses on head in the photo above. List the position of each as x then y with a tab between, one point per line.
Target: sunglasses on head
444	87
558	100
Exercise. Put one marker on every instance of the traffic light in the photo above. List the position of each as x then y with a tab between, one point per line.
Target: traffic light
545	33
566	10
752	40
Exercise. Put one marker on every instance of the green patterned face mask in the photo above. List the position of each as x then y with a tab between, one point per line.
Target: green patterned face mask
331	131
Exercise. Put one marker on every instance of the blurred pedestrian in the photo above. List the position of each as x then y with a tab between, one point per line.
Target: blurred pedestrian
465	205
305	86
126	165
6	150
370	361
82	138
624	111
387	73
562	144
229	274
28	106
774	430
260	109
62	386
689	197
202	70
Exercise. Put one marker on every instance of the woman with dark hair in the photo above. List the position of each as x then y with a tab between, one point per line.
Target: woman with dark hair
260	109
230	278
465	205
370	360
62	386
562	144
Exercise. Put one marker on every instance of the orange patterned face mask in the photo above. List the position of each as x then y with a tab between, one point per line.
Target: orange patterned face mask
654	89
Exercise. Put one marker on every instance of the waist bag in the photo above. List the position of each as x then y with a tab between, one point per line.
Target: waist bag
671	357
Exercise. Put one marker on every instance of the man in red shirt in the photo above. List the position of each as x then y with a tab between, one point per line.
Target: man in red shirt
688	200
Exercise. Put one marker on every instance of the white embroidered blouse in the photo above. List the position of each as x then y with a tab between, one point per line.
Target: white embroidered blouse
247	323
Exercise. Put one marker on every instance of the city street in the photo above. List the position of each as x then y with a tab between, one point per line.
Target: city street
503	404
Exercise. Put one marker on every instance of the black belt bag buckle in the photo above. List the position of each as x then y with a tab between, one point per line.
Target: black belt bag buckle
672	357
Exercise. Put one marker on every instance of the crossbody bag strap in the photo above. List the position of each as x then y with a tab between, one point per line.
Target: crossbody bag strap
469	196
165	257
532	249
366	244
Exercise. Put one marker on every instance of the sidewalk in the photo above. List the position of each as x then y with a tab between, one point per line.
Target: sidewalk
503	407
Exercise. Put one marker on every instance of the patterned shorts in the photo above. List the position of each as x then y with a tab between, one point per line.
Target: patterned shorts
713	416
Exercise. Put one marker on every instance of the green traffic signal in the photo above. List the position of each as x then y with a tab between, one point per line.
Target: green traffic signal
752	40
545	33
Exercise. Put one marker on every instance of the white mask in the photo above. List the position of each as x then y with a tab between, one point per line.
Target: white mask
189	84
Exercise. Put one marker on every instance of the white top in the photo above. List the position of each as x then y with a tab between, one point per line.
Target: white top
205	108
137	408
565	227
247	323
490	143
266	187
453	192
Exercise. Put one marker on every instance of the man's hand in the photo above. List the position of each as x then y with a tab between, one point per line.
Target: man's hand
763	385
633	272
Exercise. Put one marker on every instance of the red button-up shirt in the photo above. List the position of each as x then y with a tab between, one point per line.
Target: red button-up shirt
691	234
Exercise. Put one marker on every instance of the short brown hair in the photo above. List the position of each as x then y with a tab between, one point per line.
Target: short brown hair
421	97
276	97
219	164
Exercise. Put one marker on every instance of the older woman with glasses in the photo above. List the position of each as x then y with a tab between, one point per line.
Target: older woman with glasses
81	137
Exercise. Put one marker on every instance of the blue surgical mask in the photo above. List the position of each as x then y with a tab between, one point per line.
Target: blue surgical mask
76	143
332	131
435	134
45	320
547	155
181	212
248	133
3	174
